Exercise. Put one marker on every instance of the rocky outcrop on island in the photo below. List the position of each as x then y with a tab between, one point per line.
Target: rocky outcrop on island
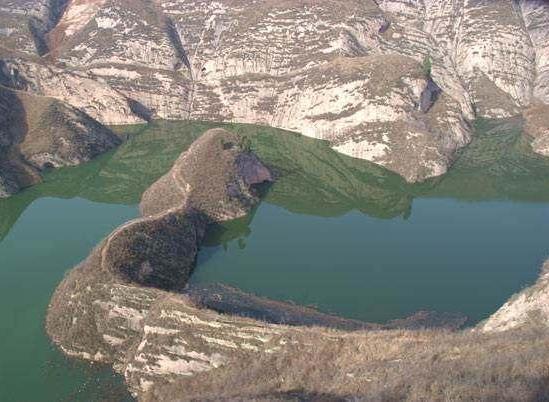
99	310
38	133
126	305
393	82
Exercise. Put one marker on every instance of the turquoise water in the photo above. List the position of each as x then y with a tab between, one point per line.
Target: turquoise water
447	256
49	238
344	235
44	232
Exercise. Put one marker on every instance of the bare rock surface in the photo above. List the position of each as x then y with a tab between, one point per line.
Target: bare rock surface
396	82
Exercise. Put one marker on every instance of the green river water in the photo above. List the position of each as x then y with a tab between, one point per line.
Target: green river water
333	232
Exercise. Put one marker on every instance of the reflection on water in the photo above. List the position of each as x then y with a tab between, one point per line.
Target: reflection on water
471	239
312	178
348	212
449	256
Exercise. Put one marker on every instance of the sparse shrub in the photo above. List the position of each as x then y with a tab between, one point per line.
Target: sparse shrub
226	144
427	66
246	143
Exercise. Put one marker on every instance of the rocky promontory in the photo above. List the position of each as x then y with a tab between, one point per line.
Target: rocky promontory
127	305
100	309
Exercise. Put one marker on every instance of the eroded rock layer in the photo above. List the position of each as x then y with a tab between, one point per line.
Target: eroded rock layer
393	82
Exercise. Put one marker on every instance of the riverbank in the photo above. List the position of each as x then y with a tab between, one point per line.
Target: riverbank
169	348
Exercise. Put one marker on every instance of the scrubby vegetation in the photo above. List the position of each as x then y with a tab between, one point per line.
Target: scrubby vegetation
427	66
327	364
383	366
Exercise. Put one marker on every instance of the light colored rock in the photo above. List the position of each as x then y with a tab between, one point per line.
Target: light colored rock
529	307
536	18
78	89
228	61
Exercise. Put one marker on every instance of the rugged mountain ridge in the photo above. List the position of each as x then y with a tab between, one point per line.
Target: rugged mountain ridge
393	82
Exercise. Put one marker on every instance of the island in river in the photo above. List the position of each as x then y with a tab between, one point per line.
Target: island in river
163	385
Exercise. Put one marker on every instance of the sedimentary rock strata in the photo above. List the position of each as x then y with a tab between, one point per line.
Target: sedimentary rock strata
357	73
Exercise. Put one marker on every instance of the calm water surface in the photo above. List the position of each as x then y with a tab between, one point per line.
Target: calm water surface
50	237
448	256
341	234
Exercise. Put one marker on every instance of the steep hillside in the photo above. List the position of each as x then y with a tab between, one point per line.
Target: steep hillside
393	82
37	133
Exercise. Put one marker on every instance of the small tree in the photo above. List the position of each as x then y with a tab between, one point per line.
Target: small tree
427	66
246	143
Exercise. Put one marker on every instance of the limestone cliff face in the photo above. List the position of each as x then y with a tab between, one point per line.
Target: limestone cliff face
484	44
356	73
80	89
324	71
26	23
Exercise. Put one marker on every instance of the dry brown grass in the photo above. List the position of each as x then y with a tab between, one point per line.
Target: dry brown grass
383	366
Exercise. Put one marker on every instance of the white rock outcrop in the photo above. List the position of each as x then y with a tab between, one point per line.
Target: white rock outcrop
355	73
529	307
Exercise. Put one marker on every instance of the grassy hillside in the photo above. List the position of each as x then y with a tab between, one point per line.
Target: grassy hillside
38	133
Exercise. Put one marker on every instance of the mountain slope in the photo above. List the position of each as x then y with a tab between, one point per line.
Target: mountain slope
38	133
393	82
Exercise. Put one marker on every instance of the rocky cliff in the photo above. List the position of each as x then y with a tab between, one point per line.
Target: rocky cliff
393	82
